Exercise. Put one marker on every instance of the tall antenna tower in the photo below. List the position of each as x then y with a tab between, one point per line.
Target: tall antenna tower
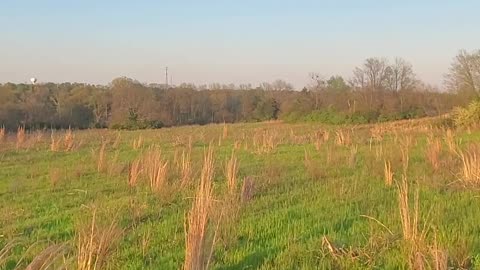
166	77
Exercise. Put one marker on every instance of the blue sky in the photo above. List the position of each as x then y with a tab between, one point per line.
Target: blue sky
228	41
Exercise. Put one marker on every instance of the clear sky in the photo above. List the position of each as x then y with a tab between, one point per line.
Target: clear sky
246	41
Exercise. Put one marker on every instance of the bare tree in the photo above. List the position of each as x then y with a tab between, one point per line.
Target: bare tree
373	74
464	72
400	76
281	85
317	82
316	85
358	80
376	70
266	86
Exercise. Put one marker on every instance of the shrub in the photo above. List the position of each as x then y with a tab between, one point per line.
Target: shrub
468	116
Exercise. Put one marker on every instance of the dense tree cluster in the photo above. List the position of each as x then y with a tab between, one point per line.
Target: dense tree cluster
378	91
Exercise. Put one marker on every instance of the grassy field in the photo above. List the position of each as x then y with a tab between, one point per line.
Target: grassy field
402	195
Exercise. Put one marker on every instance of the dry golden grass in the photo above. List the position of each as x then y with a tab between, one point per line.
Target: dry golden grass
408	218
51	257
134	173
116	143
225	131
113	166
433	151
177	141
6	250
54	143
21	137
413	235
318	144
343	137
198	239
470	171
145	242
379	152
177	158
451	141
3	133
95	243
439	256
137	143
37	137
101	157
156	169
405	151
231	171
185	166
220	140
69	140
237	144
352	158
377	133
319	139
388	173
265	141
326	136
329	154
248	189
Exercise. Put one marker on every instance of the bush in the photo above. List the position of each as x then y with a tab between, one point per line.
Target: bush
333	117
134	125
465	117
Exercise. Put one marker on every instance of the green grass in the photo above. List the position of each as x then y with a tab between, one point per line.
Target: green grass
280	228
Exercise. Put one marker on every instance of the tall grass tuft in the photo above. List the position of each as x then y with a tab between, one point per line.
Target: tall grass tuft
199	239
231	171
69	140
101	157
21	136
6	250
248	189
264	141
237	144
225	131
54	143
414	238
379	152
405	151
186	168
156	169
116	143
408	218
342	138
134	173
433	151
2	133
320	137
352	159
50	258
137	143
326	136
95	243
470	171
450	141
388	173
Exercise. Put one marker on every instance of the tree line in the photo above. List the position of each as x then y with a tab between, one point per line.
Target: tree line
379	90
